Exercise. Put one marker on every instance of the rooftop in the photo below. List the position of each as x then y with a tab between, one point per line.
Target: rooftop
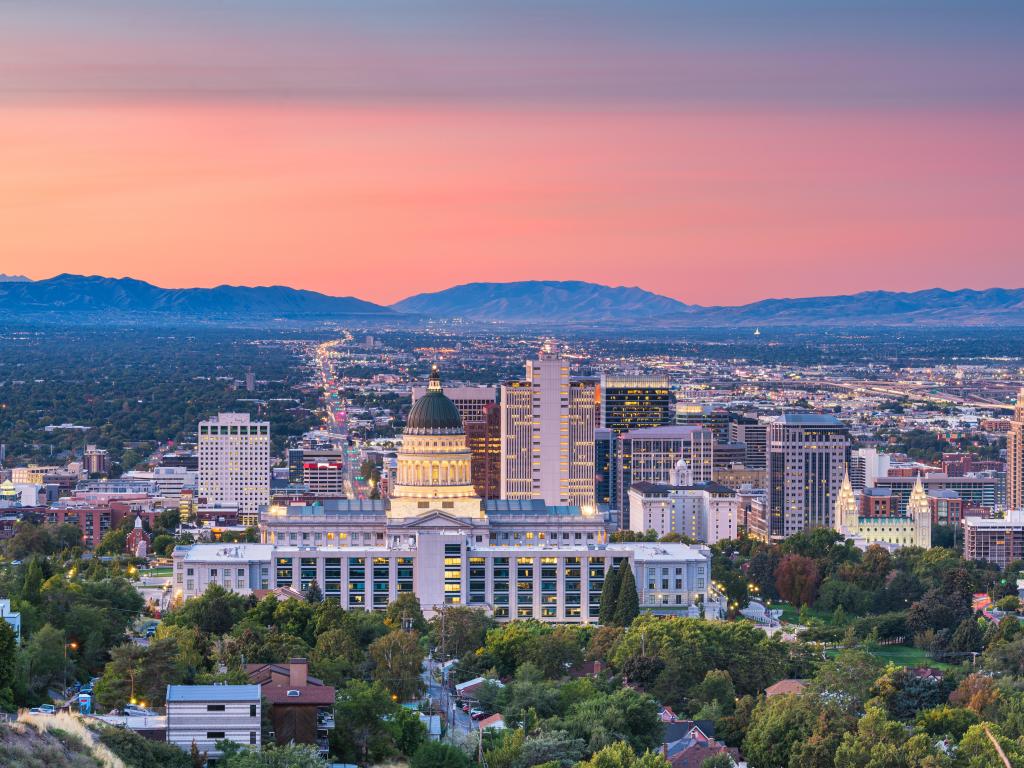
1014	517
186	693
808	420
710	487
226	552
668	432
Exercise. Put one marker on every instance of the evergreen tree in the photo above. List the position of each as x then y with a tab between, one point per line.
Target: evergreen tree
627	607
313	593
33	582
609	596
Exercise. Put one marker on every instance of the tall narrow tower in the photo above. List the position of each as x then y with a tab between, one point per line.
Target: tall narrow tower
920	510
1015	457
846	508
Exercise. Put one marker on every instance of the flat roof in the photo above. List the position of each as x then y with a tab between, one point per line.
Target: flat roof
1013	519
669	432
213	693
808	420
227	552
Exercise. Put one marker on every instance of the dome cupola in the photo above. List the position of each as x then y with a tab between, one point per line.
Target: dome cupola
434	413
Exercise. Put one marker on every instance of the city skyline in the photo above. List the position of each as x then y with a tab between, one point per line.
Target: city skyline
715	155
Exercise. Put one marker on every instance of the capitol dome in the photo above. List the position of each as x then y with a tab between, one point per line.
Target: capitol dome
434	413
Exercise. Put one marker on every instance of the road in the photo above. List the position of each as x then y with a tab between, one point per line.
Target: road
459	722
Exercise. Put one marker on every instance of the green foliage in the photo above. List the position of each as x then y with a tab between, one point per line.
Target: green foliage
627	606
945	721
139	752
397	664
434	754
144	672
846	680
216	611
609	596
288	756
621	755
366	711
8	666
777	725
716	689
880	742
405	612
464	629
605	718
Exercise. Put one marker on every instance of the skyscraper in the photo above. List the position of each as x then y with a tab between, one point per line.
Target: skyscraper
234	463
808	455
1015	457
483	438
649	455
547	434
634	402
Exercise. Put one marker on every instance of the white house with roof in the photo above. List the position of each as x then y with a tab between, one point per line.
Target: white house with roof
206	714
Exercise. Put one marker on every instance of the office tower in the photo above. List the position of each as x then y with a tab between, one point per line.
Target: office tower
866	466
234	463
1015	457
323	478
96	460
705	512
634	402
995	540
728	455
483	438
754	436
979	491
808	455
648	456
604	464
696	415
469	401
547	435
295	462
250	380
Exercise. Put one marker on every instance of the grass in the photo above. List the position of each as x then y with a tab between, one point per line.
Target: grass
902	655
161	571
791	613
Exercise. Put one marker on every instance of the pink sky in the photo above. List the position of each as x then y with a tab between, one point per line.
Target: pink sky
383	202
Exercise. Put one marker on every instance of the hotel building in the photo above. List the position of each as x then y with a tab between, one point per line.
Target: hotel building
234	463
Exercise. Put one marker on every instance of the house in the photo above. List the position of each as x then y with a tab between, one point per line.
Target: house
789	685
692	750
301	707
11	617
433	725
206	714
468	689
497	722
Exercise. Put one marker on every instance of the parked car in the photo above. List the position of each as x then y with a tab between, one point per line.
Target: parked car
478	714
133	710
43	709
465	707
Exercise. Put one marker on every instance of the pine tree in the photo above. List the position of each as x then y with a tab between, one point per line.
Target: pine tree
313	593
627	607
33	582
609	597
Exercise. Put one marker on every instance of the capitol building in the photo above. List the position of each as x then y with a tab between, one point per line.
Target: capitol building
436	538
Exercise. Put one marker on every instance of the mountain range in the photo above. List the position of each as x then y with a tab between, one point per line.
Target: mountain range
518	303
77	293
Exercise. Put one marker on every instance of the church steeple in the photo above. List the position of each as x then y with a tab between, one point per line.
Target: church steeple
846	507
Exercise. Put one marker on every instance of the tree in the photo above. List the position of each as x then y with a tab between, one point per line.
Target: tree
405	613
777	725
716	688
627	607
44	658
548	747
365	710
846	680
288	756
398	664
215	611
434	754
609	596
624	715
313	594
975	749
879	741
8	667
336	656
140	673
723	760
977	693
945	721
136	750
796	579
621	755
457	629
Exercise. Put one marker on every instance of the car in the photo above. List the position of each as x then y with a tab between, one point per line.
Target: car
478	714
133	710
465	707
43	709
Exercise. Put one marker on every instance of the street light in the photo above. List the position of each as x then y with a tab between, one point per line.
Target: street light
74	647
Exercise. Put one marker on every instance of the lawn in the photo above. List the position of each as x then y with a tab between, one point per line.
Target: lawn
791	613
902	655
156	572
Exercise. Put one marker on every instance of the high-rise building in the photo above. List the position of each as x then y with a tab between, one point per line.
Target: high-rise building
547	435
604	464
483	438
755	437
469	401
995	540
634	402
705	512
1015	457
866	466
696	415
96	460
250	380
808	455
648	456
234	463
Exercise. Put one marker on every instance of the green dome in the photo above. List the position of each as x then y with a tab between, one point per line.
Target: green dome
434	413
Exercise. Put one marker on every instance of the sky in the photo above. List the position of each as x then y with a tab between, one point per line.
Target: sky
718	153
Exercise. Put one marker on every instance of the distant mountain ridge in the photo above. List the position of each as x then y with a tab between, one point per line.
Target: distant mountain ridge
77	293
530	302
580	302
13	278
541	301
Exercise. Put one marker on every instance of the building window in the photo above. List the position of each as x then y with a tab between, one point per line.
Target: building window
252	710
214	735
252	738
214	707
